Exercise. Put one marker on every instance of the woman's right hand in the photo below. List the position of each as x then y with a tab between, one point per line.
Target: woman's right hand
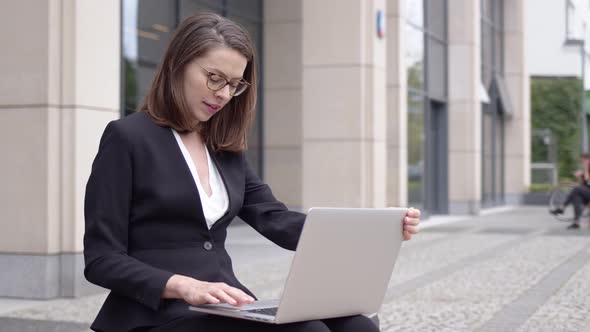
196	292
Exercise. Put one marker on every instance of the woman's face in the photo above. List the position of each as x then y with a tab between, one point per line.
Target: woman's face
586	163
222	61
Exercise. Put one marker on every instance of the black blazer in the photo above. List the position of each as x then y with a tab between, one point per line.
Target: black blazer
144	222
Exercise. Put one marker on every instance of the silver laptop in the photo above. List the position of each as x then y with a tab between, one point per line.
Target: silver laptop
342	267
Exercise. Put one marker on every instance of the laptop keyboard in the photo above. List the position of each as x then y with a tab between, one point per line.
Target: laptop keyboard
264	311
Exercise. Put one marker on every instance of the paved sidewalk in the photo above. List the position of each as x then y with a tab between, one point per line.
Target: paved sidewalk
510	270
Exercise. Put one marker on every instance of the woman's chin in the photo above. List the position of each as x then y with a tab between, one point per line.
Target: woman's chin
202	116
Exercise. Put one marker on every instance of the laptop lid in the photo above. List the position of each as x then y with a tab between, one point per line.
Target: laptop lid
343	263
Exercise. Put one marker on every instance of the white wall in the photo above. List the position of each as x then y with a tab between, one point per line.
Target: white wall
546	34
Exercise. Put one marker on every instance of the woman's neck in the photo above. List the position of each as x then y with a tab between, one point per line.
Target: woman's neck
193	136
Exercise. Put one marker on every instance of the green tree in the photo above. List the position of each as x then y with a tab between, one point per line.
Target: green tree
555	104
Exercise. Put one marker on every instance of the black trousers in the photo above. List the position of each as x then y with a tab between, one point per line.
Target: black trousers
206	323
578	197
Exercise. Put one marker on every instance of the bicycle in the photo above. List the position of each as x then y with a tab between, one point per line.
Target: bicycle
557	198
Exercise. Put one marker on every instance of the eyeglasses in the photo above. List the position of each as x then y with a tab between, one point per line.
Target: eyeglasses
217	82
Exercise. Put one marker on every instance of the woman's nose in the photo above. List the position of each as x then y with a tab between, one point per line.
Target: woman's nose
223	93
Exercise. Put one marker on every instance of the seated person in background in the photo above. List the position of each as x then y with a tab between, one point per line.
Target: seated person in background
580	195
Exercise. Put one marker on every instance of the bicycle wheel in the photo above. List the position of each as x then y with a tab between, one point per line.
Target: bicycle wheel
558	197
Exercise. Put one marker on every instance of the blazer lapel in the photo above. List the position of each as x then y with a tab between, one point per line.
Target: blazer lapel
228	166
181	163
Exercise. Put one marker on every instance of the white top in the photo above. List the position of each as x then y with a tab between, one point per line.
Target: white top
214	206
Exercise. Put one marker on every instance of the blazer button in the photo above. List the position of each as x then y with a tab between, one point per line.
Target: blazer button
208	245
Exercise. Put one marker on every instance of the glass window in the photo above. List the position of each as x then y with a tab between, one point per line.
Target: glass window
415	149
487	155
426	67
491	52
498	13
487	9
249	9
415	57
492	57
487	44
147	28
155	22
436	70
499	157
436	18
498	52
190	7
129	30
415	12
145	75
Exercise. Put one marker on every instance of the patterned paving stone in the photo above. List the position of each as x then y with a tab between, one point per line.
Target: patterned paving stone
27	325
465	300
80	310
414	262
567	310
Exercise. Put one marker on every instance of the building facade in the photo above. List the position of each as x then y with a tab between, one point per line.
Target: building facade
362	104
549	55
557	55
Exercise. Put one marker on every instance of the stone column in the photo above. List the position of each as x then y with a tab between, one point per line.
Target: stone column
59	88
464	107
397	117
517	165
283	109
344	113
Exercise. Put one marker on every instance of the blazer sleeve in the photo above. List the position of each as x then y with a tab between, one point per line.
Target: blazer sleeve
107	206
267	215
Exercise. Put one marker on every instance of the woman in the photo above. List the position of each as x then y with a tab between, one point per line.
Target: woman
168	180
580	195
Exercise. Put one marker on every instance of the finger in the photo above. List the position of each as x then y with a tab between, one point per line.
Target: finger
210	299
224	297
414	213
238	295
407	236
411	221
411	229
235	292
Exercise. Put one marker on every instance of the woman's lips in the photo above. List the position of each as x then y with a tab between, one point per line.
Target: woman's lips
212	109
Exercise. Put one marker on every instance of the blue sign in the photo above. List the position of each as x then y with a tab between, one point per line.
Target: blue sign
380	25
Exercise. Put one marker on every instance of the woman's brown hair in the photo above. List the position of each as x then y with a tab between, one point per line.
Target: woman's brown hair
166	103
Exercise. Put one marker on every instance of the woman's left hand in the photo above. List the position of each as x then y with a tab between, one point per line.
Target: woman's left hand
411	223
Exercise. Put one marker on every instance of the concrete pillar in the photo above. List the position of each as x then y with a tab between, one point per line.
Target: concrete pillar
464	107
518	127
283	76
344	113
397	118
59	88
